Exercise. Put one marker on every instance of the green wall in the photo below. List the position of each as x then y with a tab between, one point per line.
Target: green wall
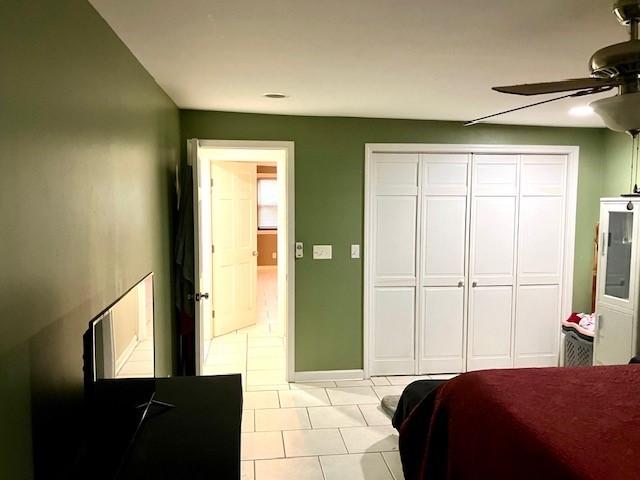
329	202
616	164
88	145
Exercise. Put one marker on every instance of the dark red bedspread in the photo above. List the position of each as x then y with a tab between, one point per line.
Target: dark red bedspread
547	423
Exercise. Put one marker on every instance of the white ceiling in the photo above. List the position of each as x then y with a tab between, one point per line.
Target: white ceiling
421	59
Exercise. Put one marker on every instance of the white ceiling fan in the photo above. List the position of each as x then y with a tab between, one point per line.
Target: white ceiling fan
615	66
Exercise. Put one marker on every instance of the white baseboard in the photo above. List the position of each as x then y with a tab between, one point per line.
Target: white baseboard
326	375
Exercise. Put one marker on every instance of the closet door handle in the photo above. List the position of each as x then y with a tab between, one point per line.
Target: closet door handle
474	284
460	284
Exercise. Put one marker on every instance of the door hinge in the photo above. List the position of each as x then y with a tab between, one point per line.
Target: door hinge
211	182
213	249
213	314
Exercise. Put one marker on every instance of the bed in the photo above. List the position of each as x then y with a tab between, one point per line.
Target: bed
548	423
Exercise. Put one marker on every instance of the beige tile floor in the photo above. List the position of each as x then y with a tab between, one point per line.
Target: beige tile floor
304	431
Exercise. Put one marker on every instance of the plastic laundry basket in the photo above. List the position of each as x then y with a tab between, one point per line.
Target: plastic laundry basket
578	350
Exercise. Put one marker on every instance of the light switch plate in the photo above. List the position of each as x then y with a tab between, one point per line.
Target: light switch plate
355	251
299	250
322	252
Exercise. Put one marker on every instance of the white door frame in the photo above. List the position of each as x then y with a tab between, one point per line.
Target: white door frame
573	157
282	153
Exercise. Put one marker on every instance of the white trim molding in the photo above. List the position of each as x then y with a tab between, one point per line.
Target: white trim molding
573	155
329	375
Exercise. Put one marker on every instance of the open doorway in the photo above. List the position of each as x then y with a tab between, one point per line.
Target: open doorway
245	217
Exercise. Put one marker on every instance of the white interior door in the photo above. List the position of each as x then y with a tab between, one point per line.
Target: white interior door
444	208
393	293
541	223
202	251
494	207
234	232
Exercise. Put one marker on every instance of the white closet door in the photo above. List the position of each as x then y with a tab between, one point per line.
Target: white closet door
395	209
540	260
492	261
442	268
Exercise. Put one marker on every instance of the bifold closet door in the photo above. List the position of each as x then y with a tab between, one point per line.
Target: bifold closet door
442	262
540	260
393	303
494	207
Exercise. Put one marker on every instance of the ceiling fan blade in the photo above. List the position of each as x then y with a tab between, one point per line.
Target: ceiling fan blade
581	93
561	86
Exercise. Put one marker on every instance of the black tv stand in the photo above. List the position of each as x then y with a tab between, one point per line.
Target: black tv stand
194	432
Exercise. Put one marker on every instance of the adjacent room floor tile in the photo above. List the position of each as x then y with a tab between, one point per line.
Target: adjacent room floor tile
335	417
395	465
380	381
370	439
314	397
406	379
247	421
266	342
351	395
307	443
262	352
261	445
353	383
246	470
388	390
374	415
266	363
307	468
368	466
253	400
276	419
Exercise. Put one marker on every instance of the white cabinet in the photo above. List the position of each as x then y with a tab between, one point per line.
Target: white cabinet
616	339
467	261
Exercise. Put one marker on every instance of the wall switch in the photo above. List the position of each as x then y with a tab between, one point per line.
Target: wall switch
355	251
299	250
322	252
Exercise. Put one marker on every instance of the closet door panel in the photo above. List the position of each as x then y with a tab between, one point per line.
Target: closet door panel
442	319
537	330
493	229
393	331
443	240
543	175
541	240
445	174
495	175
490	327
392	313
395	256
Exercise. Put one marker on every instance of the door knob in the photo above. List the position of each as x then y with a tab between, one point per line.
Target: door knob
474	284
197	296
460	284
254	253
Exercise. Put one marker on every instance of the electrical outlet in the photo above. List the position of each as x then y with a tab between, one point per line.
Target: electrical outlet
355	251
274	255
299	250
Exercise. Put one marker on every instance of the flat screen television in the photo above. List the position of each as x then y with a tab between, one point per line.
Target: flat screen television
119	341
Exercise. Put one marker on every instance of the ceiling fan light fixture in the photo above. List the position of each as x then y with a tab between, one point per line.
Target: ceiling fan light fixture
620	113
581	111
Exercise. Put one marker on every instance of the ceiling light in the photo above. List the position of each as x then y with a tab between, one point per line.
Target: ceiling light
274	95
581	111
